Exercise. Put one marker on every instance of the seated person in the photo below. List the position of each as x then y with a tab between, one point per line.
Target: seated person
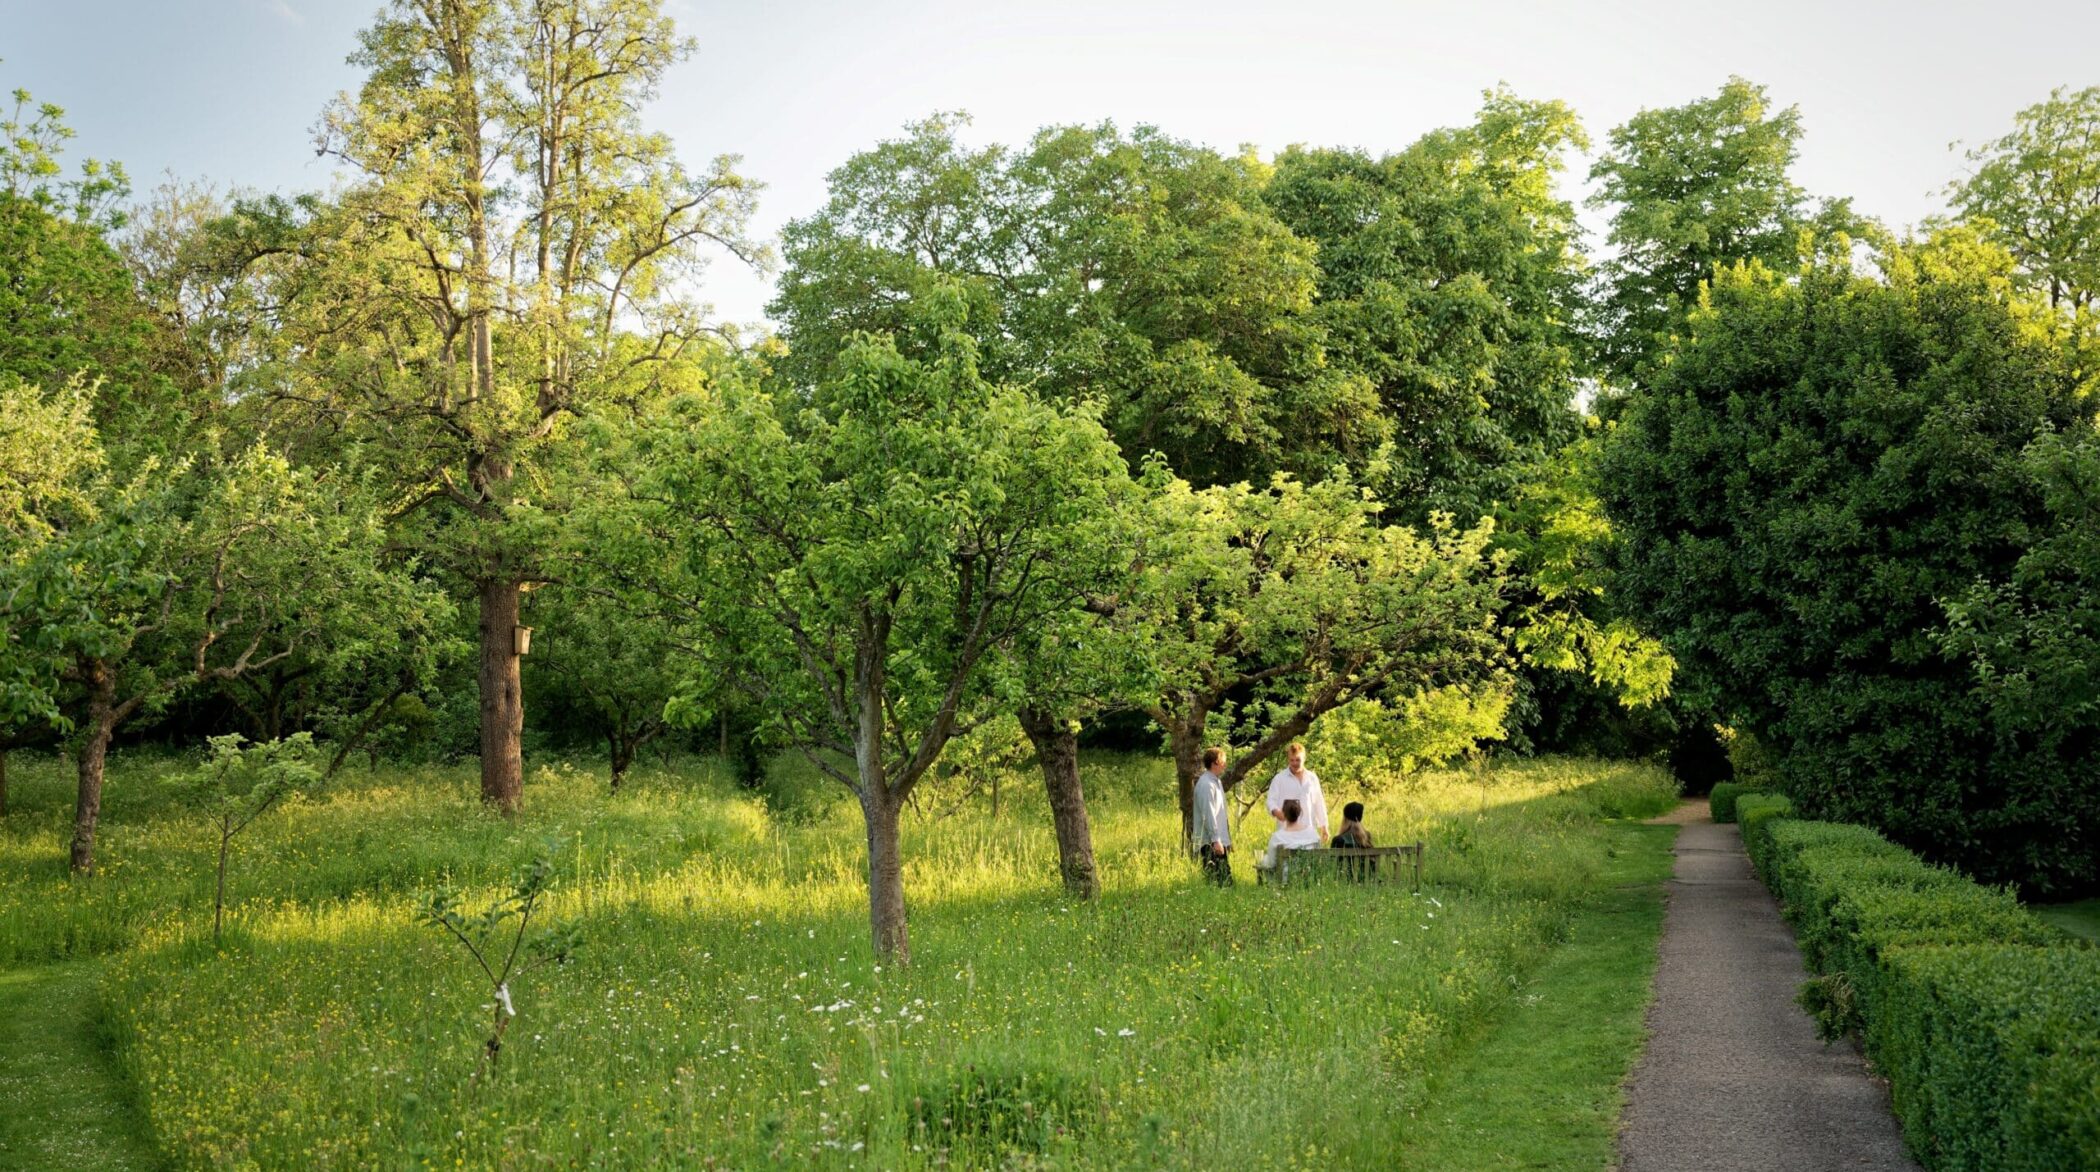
1354	835
1293	833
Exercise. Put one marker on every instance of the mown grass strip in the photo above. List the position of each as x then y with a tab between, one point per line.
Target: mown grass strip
61	1104
1543	1085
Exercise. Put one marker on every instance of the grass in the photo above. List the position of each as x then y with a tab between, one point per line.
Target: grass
726	1011
2079	917
1541	1087
65	1107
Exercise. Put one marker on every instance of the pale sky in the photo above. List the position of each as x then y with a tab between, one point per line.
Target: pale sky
228	90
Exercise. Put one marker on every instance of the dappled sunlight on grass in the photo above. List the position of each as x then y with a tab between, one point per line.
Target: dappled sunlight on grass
725	1004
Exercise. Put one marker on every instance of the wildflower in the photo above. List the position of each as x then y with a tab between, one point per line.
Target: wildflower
1126	1032
863	1088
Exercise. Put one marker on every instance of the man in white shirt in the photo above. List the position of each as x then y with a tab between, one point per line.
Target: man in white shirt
1296	781
1211	834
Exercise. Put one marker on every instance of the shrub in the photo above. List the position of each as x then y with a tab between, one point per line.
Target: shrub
1993	1055
1723	798
1755	812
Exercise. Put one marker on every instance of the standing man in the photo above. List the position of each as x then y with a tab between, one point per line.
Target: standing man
1212	833
1296	781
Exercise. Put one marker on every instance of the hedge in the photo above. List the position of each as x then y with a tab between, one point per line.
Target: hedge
1721	800
1754	812
1985	1020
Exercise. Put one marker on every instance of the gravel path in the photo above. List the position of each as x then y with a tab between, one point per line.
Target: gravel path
1733	1076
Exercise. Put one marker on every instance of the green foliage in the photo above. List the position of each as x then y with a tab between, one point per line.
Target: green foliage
1449	279
1721	799
236	785
1693	188
1993	1055
2036	192
1822	461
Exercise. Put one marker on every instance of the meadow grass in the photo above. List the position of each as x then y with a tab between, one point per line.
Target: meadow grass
726	1009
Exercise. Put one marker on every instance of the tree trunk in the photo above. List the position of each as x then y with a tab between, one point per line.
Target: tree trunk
218	907
1057	754
1186	736
94	752
502	698
885	876
622	748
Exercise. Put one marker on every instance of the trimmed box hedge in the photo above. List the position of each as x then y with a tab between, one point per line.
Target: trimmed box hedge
1720	801
1985	1020
1993	1055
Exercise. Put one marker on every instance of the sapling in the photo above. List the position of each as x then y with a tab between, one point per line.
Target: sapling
483	933
239	783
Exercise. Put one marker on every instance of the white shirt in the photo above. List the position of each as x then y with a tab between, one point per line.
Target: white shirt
1210	824
1286	839
1284	786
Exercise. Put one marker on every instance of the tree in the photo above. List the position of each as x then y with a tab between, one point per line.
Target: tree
1823	460
2036	191
613	658
238	784
2032	641
869	543
192	575
1133	269
1693	187
1269	608
511	253
1450	279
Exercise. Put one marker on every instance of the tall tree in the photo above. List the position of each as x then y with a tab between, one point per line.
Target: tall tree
1450	279
513	251
1130	268
2039	189
1693	187
1824	460
870	544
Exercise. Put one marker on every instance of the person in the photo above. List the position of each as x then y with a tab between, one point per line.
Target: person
1210	831
1354	835
1294	832
1294	780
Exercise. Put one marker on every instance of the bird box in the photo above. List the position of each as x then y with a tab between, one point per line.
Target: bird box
521	640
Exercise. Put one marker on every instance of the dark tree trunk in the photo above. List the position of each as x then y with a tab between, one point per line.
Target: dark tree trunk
1057	754
94	753
622	748
364	729
885	875
1186	737
502	698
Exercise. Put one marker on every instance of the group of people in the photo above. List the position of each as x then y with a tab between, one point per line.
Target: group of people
1295	802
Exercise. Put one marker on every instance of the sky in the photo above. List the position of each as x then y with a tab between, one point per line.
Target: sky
229	90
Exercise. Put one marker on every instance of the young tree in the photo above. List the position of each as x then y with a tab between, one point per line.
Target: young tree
1823	461
1289	602
2039	189
1693	187
237	784
870	543
512	251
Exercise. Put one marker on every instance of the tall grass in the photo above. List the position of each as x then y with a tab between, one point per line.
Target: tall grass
726	1007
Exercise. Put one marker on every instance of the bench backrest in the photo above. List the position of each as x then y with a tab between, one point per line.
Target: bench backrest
1333	856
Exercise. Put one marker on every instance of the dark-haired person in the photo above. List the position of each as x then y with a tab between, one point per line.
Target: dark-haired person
1355	836
1294	832
1210	833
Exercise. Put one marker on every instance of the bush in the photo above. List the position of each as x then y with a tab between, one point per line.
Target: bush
1723	798
1755	812
1993	1055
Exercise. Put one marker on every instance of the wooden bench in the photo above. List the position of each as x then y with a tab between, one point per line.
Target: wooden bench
1330	861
